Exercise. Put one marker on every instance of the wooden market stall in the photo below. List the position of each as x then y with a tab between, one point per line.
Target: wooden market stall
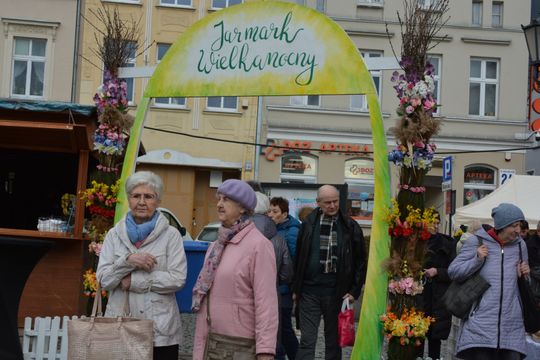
45	153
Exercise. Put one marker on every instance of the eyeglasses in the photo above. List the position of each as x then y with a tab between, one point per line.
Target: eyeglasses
146	197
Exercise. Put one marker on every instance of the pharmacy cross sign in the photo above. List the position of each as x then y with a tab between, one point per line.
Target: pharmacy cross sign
266	48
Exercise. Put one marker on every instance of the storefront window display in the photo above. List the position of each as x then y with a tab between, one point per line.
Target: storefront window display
298	168
359	175
479	181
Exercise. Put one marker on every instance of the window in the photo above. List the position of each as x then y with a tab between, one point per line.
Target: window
309	100
479	181
222	103
221	4
483	87
132	48
321	6
298	168
426	4
477	13
28	67
179	102
359	102
370	2
436	62
360	176
175	2
497	14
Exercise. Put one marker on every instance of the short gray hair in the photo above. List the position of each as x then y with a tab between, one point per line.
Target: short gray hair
145	178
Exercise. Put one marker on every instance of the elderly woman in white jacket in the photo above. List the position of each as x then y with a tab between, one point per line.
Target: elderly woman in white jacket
144	255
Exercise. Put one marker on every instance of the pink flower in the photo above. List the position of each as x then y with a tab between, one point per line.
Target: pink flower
403	100
415	101
410	86
409	109
428	104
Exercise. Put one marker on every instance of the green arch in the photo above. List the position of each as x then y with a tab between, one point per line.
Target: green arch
266	48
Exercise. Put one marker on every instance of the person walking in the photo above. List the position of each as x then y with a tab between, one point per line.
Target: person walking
238	278
494	329
288	227
441	250
330	266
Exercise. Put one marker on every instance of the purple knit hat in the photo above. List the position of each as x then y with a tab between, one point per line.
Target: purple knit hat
240	192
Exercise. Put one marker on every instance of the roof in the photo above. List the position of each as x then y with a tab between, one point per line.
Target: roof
47	106
520	190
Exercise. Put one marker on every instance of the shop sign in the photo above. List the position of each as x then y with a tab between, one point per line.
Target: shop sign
505	175
279	147
480	175
299	164
359	169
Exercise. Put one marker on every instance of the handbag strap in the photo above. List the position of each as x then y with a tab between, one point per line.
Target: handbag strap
208	321
97	307
480	243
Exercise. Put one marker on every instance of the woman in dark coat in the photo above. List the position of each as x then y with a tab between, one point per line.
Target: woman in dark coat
441	250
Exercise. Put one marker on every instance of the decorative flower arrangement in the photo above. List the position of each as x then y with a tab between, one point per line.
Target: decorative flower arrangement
410	328
90	284
109	139
418	155
67	202
414	93
112	93
407	286
409	221
416	225
101	198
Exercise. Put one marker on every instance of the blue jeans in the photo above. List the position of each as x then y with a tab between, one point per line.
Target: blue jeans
287	343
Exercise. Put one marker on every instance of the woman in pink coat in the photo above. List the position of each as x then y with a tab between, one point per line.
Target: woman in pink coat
238	278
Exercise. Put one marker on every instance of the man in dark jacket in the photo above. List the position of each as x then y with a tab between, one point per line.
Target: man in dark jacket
330	266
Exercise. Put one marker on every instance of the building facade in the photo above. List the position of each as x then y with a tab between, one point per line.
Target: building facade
182	140
37	49
481	85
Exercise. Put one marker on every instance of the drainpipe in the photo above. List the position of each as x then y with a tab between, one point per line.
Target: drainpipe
74	74
258	136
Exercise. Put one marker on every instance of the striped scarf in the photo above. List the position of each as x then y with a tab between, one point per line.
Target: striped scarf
328	244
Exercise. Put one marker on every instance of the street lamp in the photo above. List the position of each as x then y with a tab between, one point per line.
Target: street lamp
532	37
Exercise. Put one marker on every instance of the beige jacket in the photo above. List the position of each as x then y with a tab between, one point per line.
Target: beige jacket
152	294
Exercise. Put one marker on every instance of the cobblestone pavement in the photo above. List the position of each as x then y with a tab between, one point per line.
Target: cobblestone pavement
188	325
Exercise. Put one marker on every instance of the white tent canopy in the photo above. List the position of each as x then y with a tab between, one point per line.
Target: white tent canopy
520	190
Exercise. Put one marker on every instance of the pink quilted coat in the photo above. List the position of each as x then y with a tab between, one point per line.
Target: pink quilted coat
243	297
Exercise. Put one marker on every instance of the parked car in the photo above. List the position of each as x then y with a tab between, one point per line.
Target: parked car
175	222
209	233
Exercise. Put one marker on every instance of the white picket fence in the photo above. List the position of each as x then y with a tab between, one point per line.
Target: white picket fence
47	339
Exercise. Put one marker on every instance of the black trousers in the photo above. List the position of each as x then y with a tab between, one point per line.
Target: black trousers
312	307
489	354
166	352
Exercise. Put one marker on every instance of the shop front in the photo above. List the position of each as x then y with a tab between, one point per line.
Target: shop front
306	165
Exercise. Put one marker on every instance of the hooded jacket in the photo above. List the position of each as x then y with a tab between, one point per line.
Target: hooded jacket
496	320
151	294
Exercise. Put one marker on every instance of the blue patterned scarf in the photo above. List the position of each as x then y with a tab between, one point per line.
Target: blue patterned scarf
137	232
